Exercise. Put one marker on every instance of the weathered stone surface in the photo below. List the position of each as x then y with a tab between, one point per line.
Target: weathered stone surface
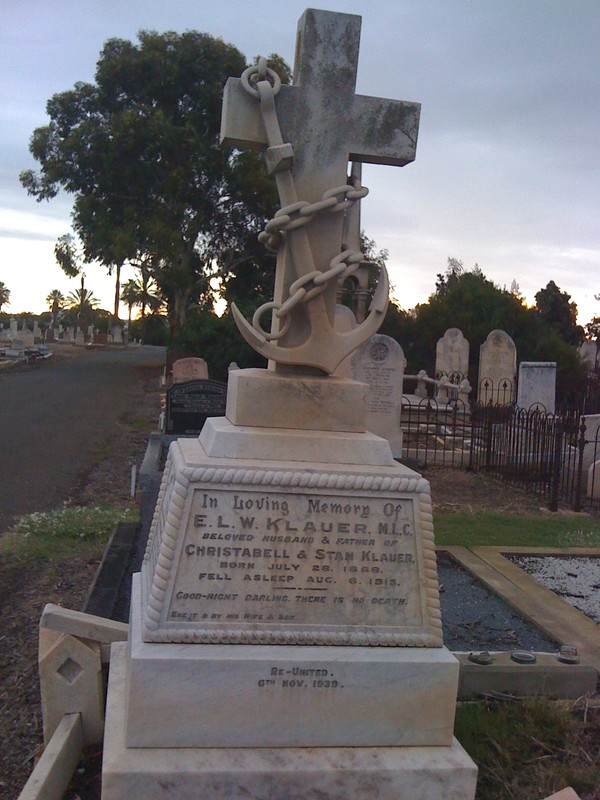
452	356
497	369
328	125
537	386
380	363
71	682
274	695
190	369
262	398
245	773
359	537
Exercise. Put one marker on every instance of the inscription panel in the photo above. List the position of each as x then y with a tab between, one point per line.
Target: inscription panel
190	404
277	560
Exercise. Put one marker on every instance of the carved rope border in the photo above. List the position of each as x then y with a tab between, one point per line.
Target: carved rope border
244	476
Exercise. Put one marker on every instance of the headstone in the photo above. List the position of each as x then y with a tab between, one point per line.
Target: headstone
537	386
190	369
79	337
380	363
591	449
497	369
117	334
14	327
189	404
589	355
285	636
452	356
26	336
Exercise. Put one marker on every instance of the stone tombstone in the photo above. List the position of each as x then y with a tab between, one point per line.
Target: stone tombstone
189	404
497	369
537	386
380	363
591	449
452	356
117	334
14	327
190	369
27	337
285	636
589	354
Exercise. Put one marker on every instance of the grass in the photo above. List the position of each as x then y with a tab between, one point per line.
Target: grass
530	748
497	530
70	530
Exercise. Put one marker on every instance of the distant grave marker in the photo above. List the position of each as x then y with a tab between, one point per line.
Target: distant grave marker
190	404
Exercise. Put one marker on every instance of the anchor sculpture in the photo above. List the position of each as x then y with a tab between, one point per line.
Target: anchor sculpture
310	131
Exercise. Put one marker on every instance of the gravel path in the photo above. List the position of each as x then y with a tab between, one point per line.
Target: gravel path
576	579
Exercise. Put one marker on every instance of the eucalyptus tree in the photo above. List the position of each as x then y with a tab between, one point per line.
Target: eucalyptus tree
139	151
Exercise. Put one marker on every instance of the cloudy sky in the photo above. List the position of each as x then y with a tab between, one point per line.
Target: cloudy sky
507	172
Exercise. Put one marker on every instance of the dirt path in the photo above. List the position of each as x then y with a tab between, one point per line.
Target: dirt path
55	420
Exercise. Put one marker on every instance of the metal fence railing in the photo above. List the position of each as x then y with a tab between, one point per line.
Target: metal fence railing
555	456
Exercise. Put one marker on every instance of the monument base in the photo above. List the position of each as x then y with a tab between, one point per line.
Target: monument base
332	773
206	695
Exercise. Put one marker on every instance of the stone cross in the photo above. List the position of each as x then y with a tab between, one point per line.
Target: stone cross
327	125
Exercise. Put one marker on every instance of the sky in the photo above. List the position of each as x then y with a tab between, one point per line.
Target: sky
507	171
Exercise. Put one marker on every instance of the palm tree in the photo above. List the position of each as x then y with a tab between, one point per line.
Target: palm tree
4	295
130	294
143	293
83	302
56	301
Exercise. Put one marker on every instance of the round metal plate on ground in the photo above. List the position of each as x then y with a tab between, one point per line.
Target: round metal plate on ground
483	658
568	655
523	657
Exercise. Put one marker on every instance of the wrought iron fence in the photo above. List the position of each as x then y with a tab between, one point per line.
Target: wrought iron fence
545	454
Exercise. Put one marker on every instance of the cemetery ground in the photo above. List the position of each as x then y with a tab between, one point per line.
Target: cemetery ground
525	749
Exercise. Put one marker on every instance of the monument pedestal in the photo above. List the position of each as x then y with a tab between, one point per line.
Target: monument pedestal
272	773
285	636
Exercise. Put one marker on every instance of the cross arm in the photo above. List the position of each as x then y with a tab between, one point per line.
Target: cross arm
383	131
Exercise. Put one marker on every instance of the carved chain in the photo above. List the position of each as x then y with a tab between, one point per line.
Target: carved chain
300	213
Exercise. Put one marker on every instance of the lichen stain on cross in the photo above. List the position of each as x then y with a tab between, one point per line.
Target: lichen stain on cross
328	126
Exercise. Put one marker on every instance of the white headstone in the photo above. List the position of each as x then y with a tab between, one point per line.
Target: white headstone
537	386
497	369
190	369
452	356
380	363
14	326
26	336
589	354
591	449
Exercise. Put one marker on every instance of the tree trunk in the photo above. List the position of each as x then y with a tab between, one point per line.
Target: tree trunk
117	291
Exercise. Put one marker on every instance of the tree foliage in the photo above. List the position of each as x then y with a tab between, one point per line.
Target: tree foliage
4	295
466	299
559	313
138	149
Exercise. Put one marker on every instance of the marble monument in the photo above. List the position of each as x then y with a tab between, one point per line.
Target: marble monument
285	636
